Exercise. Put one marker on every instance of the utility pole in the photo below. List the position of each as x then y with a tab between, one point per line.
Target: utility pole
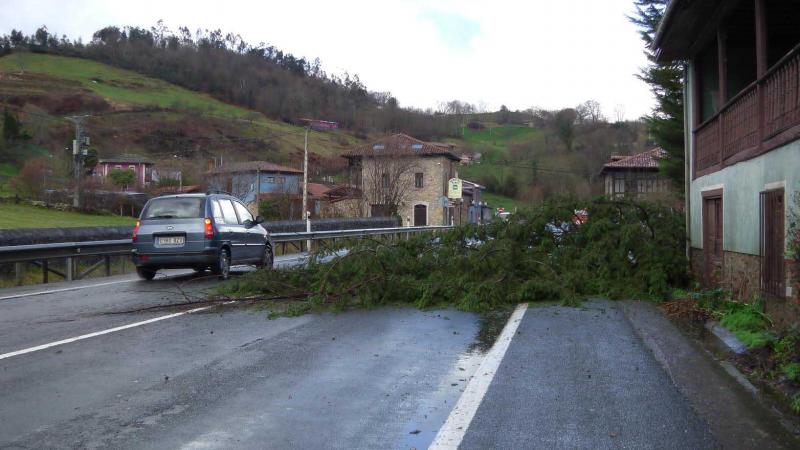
320	125
305	188
79	151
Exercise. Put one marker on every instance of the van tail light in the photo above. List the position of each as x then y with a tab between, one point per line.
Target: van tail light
135	231
208	229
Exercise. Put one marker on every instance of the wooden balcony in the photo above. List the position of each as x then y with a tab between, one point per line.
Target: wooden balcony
762	117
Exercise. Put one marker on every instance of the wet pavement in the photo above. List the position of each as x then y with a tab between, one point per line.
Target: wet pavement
605	375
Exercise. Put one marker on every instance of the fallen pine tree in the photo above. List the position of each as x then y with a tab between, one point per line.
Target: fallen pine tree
623	249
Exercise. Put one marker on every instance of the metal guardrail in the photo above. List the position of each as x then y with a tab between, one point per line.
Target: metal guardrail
41	254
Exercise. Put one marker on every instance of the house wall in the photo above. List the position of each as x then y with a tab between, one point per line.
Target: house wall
436	171
292	183
243	185
139	169
741	186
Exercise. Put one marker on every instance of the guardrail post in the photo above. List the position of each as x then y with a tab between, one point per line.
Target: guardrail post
45	271
69	269
18	272
107	262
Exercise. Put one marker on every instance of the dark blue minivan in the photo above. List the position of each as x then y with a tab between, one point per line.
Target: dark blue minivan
211	231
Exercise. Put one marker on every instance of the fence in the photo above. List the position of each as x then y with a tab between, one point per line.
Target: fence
41	255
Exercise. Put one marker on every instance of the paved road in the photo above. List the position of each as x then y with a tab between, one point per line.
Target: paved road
386	378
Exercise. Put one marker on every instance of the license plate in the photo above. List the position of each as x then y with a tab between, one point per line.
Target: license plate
171	240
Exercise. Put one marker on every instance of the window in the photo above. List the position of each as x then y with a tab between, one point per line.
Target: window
217	211
118	166
416	146
174	208
132	167
281	180
385	181
419	180
378	147
270	179
244	213
228	212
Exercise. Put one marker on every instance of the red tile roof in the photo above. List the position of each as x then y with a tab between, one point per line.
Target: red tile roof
403	144
252	166
640	161
317	189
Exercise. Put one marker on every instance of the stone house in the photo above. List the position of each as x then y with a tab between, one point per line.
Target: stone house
404	176
635	175
742	131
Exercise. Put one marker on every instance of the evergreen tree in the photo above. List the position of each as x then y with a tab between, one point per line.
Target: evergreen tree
12	130
666	82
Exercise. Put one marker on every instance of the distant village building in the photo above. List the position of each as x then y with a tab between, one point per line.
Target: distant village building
141	167
259	180
743	133
404	176
635	176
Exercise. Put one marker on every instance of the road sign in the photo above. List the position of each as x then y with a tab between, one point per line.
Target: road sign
454	186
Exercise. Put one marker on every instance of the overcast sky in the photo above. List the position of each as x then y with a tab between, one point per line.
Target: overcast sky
545	53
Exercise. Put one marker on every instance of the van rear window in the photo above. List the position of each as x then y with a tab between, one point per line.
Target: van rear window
174	208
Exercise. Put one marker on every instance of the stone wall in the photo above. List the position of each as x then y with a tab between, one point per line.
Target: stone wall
742	278
436	171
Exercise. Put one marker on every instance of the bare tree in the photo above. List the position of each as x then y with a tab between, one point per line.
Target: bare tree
619	113
387	180
595	111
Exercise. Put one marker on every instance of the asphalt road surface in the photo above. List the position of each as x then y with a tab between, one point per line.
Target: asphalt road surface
74	376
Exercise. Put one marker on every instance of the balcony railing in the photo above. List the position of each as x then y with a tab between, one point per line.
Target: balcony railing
754	121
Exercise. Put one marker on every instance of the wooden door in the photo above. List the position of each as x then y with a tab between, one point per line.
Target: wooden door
773	275
420	215
712	241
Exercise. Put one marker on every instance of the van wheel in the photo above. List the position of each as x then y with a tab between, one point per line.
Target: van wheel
223	265
146	274
267	259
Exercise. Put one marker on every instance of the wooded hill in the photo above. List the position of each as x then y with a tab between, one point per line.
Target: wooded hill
192	98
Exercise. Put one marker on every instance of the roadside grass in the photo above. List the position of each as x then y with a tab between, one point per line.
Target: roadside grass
773	356
26	216
749	324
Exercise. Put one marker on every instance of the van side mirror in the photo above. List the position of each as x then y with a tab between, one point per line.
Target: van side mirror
258	220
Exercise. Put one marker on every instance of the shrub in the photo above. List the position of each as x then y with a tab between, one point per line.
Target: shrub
792	371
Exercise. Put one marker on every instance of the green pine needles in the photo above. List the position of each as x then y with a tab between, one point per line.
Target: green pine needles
624	250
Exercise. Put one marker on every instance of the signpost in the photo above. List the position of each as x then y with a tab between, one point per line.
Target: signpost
454	187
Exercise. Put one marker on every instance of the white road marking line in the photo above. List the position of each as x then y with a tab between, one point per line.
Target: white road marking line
55	291
108	283
452	432
100	333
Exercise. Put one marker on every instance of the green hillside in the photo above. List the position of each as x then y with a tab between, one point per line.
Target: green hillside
146	113
116	84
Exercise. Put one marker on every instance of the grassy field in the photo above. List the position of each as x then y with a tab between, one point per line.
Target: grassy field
125	90
25	216
116	84
7	171
499	201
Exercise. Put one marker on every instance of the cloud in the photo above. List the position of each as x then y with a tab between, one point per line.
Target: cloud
455	30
